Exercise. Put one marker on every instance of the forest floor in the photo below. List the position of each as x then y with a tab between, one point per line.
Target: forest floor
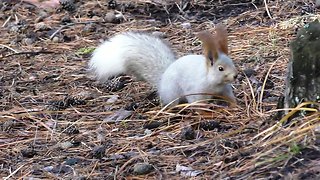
58	122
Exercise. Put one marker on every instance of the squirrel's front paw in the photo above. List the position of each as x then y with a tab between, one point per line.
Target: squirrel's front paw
232	101
233	104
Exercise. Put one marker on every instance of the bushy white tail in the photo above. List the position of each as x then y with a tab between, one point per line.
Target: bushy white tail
139	54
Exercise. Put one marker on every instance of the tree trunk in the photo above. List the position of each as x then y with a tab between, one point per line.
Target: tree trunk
303	79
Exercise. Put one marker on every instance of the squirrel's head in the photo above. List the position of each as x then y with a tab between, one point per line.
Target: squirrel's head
215	47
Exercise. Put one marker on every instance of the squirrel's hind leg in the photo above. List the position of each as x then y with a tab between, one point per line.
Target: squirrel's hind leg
169	95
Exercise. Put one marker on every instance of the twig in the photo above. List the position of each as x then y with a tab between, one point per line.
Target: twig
14	172
126	163
31	53
9	48
92	171
267	9
70	24
5	23
264	84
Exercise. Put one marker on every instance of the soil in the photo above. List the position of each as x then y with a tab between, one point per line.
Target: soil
58	122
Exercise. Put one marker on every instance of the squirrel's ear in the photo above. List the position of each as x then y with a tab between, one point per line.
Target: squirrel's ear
222	38
209	46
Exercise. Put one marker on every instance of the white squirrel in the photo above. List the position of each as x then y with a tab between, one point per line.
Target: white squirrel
150	58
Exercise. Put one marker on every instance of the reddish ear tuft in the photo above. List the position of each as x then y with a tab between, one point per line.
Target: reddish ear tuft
212	44
221	37
209	45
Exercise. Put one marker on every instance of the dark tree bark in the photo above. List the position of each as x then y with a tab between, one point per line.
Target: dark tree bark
303	80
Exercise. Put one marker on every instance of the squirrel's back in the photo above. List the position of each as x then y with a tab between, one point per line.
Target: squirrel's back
143	55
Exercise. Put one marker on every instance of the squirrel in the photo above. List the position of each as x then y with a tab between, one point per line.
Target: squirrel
150	58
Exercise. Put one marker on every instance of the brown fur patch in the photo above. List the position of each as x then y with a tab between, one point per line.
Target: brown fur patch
209	45
214	43
221	37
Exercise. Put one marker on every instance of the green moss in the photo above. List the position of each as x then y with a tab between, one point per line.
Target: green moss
295	149
85	50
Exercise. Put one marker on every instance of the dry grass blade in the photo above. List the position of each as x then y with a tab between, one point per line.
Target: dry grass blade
279	124
267	9
264	84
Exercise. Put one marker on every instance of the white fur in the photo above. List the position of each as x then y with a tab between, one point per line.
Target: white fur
107	59
190	75
137	54
149	58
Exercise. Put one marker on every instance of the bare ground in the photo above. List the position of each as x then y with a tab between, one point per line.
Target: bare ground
56	122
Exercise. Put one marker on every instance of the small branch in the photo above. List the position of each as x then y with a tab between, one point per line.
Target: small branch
68	25
14	172
15	51
31	53
5	23
266	6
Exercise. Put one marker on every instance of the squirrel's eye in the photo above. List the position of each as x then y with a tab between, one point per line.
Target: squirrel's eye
220	68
